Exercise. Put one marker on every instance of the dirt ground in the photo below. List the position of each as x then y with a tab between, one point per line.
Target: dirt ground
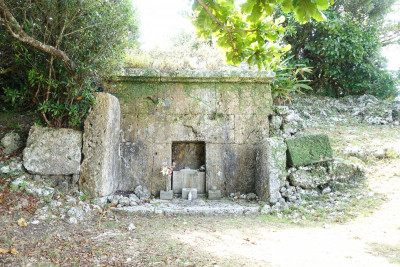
124	239
366	241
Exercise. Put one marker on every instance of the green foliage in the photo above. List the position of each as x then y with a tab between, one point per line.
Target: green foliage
363	10
92	33
251	33
344	54
288	80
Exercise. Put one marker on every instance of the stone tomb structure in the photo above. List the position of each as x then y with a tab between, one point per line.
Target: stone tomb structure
212	127
207	123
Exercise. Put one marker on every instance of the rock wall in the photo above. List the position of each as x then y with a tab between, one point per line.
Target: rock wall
227	111
100	170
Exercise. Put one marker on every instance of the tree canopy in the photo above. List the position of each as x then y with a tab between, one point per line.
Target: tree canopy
343	51
340	41
251	33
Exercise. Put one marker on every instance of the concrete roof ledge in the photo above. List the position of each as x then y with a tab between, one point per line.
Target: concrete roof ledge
189	76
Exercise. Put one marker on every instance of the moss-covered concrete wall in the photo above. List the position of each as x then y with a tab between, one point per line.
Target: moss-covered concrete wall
226	110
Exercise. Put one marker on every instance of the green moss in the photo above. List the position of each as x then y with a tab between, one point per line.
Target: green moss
147	92
306	150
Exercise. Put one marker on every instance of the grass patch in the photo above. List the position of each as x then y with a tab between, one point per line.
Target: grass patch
390	252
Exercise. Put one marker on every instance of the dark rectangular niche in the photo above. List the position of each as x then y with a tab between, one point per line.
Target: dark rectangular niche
190	155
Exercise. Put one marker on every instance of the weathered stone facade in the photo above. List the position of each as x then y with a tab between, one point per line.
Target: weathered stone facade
100	170
271	169
227	111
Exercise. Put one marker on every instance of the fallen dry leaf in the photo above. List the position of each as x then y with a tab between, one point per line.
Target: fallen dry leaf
113	205
4	251
22	222
14	251
1	200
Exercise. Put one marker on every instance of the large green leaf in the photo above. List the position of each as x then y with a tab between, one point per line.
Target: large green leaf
304	10
247	7
255	13
322	4
319	16
287	6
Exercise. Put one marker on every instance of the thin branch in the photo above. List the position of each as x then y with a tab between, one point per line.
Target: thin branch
102	48
7	70
83	29
25	19
244	30
45	118
49	81
46	18
390	38
216	20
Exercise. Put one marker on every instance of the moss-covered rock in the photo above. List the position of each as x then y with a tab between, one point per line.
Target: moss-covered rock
309	149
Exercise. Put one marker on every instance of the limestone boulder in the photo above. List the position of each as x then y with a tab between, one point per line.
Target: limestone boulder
100	170
344	171
10	143
275	125
14	165
270	169
396	110
142	192
309	177
53	151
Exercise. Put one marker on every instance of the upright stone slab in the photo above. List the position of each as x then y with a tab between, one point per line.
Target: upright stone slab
53	151
308	149
270	169
100	170
188	178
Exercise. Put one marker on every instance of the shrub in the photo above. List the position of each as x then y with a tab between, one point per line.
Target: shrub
344	54
76	45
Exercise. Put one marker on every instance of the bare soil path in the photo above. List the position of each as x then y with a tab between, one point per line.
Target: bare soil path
352	244
373	240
